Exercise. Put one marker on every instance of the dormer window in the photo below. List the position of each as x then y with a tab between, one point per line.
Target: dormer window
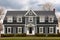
50	19
9	19
19	19
42	18
30	19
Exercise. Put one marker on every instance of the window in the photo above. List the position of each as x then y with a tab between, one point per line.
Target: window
51	19
30	19
8	30
50	29
40	29
19	19
42	19
9	19
19	29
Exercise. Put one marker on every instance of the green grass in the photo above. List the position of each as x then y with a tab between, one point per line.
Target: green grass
30	38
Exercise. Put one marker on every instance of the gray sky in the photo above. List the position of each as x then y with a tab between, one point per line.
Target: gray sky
25	4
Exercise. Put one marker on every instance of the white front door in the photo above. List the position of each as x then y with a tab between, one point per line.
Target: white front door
30	31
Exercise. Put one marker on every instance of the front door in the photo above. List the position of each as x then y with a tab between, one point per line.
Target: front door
30	30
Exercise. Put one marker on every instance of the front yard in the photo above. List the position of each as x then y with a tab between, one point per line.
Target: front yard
30	38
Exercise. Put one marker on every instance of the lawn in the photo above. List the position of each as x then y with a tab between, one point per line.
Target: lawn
30	38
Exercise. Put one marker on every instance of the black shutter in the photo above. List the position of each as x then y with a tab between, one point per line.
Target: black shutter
5	30
12	30
48	29
54	29
16	30
37	29
44	30
22	29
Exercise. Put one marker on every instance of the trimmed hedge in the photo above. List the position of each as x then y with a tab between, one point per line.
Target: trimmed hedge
13	35
20	35
53	35
7	35
40	35
24	35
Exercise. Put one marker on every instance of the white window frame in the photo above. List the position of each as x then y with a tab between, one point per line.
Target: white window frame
42	19
31	19
20	29
8	30
52	30
52	19
9	19
39	30
18	19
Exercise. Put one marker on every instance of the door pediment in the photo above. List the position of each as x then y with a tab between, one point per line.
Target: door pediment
30	25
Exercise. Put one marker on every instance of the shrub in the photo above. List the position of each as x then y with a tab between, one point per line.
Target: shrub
58	35
7	35
20	35
40	35
53	35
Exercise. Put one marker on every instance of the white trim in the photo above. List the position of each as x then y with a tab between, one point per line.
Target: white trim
14	24
50	17
30	25
7	30
28	12
46	24
42	19
56	29
51	30
20	30
30	18
39	30
15	10
9	19
34	12
18	18
25	24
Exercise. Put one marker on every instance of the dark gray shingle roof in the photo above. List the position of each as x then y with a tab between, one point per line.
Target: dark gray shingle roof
15	13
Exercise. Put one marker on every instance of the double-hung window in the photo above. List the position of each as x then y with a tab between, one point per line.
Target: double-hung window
9	19
40	29
51	19
30	19
51	30
42	19
19	29
19	19
8	30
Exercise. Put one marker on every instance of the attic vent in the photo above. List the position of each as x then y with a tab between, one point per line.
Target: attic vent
30	12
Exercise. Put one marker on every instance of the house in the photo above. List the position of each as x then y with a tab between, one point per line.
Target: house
58	24
30	22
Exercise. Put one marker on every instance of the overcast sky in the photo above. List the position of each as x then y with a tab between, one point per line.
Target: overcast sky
25	4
